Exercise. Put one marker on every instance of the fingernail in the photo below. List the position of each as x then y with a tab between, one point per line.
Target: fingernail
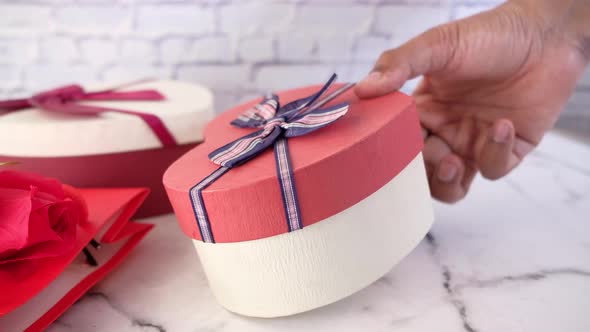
373	77
447	171
501	133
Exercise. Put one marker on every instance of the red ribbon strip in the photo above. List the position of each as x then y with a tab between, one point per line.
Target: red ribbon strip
64	100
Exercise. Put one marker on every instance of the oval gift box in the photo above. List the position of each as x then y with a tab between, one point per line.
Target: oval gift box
110	149
363	197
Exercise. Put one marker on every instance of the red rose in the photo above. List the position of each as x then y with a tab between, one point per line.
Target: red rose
38	217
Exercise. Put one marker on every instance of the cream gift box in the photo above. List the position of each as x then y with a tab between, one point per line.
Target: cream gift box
138	131
352	202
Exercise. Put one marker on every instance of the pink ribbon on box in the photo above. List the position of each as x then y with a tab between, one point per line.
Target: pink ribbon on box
64	100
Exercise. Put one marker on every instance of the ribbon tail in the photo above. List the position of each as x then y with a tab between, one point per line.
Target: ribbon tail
307	123
296	107
199	209
154	122
14	105
287	184
256	115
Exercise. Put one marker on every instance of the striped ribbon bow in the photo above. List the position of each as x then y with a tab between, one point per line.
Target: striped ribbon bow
275	124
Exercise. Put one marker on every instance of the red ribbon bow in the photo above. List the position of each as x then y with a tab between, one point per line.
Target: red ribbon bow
65	100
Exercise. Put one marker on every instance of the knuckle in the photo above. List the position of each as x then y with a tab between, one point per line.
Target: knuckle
444	43
385	61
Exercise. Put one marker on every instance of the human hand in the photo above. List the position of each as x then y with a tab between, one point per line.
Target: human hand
493	84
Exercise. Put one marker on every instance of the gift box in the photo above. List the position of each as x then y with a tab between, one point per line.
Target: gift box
117	137
294	206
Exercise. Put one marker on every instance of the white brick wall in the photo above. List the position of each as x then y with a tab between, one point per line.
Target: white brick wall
92	18
17	50
186	19
295	47
334	19
9	76
235	47
43	75
274	76
213	49
219	77
464	11
175	50
16	19
58	49
137	51
98	51
256	49
249	17
131	72
239	48
404	22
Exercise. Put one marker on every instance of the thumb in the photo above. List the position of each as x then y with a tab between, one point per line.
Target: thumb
430	52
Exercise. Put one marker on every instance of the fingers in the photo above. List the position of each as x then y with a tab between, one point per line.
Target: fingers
379	83
429	52
448	175
496	157
446	183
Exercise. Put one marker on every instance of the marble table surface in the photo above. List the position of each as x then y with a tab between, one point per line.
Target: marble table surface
513	256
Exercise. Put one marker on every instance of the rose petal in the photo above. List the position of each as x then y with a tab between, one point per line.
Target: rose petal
15	207
24	181
77	197
37	217
47	241
40	228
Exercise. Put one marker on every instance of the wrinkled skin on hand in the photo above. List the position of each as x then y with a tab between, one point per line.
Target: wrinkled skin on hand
493	84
